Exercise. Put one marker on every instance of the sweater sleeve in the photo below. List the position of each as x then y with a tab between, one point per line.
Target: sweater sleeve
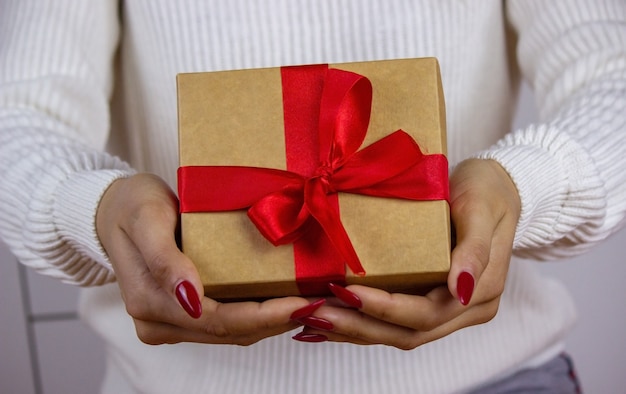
55	82
570	168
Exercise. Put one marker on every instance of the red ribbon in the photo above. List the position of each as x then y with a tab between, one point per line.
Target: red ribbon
326	116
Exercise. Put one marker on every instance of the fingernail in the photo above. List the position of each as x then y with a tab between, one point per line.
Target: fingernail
317	322
307	310
188	299
313	338
345	295
465	287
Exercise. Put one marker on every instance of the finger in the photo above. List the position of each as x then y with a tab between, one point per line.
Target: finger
144	298
238	322
475	226
493	278
360	328
158	333
241	319
172	270
386	311
311	335
357	328
364	330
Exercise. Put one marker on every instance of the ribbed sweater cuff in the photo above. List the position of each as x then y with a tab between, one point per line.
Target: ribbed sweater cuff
553	177
74	212
541	186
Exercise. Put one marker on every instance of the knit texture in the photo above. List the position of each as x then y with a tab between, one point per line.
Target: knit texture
75	76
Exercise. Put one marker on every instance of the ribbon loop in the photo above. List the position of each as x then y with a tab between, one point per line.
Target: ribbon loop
345	108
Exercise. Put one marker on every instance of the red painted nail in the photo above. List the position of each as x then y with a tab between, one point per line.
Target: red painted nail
313	338
345	295
307	310
188	298
317	322
465	287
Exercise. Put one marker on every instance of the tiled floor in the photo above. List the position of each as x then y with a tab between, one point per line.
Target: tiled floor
44	348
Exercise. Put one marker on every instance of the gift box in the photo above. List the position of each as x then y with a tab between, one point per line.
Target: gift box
293	177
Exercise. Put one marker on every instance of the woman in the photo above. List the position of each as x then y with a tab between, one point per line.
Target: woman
76	76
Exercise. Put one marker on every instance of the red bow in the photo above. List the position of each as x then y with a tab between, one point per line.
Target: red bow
283	203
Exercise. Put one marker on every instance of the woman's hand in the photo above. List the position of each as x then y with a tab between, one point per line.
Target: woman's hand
485	208
136	223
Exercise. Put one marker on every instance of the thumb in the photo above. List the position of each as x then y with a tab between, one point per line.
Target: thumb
470	256
173	271
151	228
483	203
474	222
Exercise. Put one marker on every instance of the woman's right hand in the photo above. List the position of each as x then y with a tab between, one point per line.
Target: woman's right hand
136	222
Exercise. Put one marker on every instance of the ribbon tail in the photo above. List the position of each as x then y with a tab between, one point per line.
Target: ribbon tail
328	218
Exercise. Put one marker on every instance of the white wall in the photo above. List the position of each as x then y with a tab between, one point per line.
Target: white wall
598	344
597	281
45	349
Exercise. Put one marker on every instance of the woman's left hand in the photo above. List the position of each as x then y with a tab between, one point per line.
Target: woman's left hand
485	208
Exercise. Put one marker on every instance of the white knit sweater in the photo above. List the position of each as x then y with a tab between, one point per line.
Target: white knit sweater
78	75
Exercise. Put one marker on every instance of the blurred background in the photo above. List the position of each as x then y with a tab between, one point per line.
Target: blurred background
44	348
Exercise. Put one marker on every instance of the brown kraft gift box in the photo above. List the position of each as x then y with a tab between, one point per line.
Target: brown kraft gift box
235	118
